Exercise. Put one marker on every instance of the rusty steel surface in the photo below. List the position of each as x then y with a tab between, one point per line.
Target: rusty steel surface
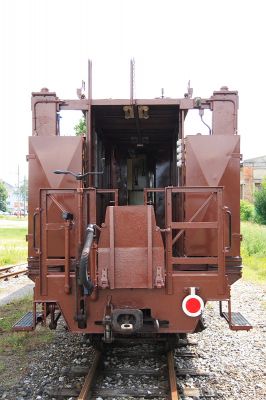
162	224
222	153
90	377
174	395
130	248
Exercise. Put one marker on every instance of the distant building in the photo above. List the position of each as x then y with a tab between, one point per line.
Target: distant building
13	203
252	173
12	198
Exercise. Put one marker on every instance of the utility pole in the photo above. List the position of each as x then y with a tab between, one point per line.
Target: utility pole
24	196
19	211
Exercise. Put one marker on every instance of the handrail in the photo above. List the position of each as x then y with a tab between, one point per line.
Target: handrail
217	224
34	230
228	212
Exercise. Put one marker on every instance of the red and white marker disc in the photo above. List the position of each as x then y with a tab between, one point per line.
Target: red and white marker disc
192	305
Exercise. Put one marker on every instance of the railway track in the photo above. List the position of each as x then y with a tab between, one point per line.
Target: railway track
13	271
135	372
95	382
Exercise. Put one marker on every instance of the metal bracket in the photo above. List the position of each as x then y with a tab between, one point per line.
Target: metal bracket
30	157
104	279
159	280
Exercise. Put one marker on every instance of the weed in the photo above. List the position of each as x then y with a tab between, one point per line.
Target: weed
20	341
247	211
253	251
2	367
13	311
209	306
25	341
13	246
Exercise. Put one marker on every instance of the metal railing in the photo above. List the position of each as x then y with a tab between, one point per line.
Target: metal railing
174	230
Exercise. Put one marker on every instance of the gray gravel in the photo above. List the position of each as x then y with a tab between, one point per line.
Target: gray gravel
15	288
236	360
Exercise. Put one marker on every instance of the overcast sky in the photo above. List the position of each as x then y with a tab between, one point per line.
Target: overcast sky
46	43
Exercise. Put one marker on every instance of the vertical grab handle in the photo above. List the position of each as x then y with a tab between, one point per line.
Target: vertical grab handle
34	229
229	214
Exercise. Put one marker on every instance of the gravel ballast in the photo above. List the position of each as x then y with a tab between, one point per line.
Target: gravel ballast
236	361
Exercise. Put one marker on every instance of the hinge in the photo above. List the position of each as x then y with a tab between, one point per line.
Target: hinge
30	157
238	235
104	279
237	155
159	281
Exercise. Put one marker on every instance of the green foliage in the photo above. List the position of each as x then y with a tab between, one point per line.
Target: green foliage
81	128
260	203
254	239
253	251
3	196
246	210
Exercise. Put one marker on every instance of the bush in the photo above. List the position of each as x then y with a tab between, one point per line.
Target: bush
254	239
260	203
246	210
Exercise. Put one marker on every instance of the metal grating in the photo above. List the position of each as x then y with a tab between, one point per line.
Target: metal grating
26	322
238	320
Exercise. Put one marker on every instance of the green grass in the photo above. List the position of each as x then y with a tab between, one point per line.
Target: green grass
2	367
11	312
253	251
13	218
13	245
25	341
16	347
11	342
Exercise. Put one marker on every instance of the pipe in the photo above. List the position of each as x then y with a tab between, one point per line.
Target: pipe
83	276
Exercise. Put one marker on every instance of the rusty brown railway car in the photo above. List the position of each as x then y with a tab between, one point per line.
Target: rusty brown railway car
133	226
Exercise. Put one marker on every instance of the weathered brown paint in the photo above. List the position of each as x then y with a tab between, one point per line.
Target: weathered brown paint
135	246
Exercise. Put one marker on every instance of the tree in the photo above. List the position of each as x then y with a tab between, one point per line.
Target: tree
81	128
22	193
3	196
246	210
260	203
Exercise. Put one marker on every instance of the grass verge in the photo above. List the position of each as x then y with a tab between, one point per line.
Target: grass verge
13	218
20	341
15	347
253	251
13	246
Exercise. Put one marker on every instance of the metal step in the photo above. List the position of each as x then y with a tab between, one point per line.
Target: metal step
238	322
26	322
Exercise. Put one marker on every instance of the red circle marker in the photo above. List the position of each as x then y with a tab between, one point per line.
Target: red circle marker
193	305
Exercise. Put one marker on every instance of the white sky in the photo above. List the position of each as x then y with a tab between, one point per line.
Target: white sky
46	43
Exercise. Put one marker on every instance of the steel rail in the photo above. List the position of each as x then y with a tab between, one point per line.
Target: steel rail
4	269
174	395
172	391
89	380
10	274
